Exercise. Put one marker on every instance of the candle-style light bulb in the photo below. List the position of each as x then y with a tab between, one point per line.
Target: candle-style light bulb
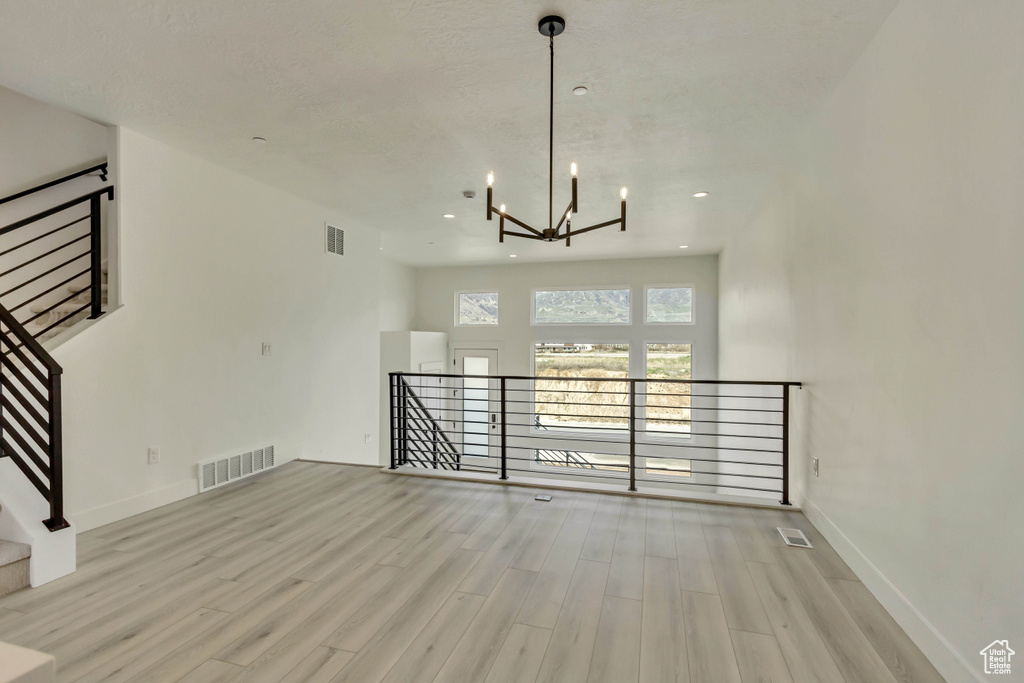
568	216
572	169
502	208
490	179
622	193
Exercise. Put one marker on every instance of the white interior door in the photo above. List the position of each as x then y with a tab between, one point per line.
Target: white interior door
479	406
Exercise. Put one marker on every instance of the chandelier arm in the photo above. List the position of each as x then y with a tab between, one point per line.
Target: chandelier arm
564	214
595	227
524	235
519	223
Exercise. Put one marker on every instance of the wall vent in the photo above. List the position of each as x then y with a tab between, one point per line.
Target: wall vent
335	240
794	537
214	473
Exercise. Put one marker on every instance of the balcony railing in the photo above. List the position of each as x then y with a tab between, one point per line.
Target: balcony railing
720	437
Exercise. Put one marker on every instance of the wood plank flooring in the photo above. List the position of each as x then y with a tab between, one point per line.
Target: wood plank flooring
329	573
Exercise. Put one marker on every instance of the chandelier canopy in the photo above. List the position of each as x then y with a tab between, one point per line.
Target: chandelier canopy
550	26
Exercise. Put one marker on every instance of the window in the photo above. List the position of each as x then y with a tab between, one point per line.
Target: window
667	404
581	306
670	304
577	396
477	308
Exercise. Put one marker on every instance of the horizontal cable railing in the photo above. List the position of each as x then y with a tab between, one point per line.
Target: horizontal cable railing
711	436
440	452
50	262
30	414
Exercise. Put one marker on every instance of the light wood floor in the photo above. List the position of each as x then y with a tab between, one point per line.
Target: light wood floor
329	573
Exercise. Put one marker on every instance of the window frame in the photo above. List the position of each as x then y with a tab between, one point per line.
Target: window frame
458	308
693	307
579	288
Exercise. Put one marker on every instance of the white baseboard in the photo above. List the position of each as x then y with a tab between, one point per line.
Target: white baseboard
953	667
144	502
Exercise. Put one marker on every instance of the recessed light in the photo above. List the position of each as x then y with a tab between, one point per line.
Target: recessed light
449	215
511	255
579	90
259	141
700	194
684	246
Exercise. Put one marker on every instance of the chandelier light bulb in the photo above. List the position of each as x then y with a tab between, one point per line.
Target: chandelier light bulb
490	179
622	193
572	169
502	208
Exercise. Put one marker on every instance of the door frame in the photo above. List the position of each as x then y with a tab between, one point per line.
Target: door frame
493	435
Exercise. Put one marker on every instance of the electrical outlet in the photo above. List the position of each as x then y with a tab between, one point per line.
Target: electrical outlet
814	466
366	438
268	349
154	455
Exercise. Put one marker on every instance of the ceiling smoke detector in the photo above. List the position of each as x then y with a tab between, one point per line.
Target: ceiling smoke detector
469	194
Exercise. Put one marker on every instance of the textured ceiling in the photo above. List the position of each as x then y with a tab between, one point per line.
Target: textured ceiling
389	109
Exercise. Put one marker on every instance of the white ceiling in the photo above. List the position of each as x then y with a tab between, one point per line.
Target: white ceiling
389	109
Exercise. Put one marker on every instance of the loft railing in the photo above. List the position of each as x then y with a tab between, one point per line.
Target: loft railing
30	414
30	275
99	169
720	437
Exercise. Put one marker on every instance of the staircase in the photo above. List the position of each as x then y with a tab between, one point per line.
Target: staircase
51	279
53	321
14	569
424	442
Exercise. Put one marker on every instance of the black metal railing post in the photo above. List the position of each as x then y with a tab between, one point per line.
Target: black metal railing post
632	435
504	454
55	436
392	427
403	420
785	444
96	248
433	438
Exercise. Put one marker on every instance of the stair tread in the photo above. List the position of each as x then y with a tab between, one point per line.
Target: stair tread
11	552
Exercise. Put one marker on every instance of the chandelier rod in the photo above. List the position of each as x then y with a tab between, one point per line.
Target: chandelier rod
551	133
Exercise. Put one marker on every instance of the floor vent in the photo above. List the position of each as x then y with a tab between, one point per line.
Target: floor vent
214	473
794	537
335	240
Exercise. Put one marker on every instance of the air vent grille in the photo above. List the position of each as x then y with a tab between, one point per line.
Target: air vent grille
794	537
335	240
214	473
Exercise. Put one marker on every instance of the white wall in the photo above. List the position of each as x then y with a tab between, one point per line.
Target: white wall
397	296
214	264
435	306
40	142
887	273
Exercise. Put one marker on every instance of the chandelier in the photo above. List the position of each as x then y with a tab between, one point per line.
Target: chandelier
550	26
